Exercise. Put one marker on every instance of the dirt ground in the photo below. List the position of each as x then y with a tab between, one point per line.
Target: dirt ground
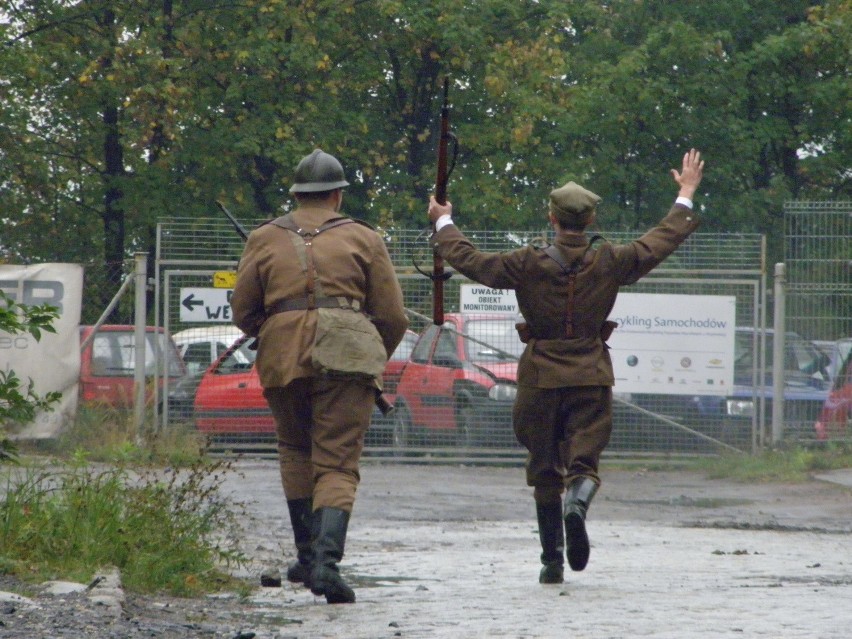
452	552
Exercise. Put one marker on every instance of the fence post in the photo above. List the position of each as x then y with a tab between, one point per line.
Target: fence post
778	354
139	322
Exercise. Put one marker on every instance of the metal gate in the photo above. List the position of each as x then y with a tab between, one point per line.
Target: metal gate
818	259
455	410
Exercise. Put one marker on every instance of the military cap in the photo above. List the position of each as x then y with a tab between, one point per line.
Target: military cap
572	205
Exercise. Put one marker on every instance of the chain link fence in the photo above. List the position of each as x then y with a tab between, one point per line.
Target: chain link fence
453	389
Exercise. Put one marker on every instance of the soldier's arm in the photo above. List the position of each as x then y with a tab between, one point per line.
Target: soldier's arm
384	298
247	301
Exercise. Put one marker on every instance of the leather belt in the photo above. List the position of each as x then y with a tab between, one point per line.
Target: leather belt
304	304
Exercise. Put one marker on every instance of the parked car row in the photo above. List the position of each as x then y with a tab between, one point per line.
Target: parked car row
456	384
729	417
229	398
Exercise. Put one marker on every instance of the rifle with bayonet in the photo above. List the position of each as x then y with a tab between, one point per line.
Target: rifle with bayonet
381	403
438	276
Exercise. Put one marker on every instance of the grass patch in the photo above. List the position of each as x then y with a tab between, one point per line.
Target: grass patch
147	503
794	464
109	435
165	530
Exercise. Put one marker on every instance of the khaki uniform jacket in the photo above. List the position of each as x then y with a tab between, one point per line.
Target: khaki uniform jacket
350	260
541	288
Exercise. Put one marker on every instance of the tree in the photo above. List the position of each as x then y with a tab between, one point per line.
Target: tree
117	113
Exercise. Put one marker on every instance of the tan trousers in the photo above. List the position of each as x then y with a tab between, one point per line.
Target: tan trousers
565	431
321	424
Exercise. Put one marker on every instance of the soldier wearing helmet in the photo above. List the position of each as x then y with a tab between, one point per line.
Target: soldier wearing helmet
320	292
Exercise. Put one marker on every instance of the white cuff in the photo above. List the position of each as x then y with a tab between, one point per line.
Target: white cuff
685	201
442	221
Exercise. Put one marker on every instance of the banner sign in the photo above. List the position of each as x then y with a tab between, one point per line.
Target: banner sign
53	362
673	344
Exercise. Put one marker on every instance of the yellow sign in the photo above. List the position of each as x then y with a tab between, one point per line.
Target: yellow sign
224	279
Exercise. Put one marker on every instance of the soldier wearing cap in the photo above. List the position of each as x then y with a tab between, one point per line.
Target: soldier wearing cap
563	409
320	293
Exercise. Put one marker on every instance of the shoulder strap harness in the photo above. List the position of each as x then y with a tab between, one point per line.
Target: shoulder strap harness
303	243
571	270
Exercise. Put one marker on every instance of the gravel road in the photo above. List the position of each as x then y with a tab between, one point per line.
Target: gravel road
452	552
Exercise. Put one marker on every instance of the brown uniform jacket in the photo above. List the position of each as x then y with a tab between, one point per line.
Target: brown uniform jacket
541	288
351	261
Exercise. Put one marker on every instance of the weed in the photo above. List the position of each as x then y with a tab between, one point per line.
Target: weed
165	530
790	464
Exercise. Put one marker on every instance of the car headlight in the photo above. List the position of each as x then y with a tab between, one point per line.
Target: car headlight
503	392
740	407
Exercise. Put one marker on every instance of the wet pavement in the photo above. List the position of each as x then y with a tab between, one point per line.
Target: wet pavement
452	551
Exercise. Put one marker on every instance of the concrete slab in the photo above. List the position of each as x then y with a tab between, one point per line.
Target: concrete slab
842	477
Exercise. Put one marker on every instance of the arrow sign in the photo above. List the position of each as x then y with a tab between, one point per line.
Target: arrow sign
206	305
189	301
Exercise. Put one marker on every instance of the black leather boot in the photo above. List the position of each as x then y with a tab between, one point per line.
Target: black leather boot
330	525
577	500
301	512
552	537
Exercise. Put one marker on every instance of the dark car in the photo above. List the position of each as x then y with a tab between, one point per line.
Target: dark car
460	383
729	417
836	414
229	398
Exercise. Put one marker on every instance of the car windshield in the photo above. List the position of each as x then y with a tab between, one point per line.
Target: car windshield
114	354
801	357
240	359
403	351
493	340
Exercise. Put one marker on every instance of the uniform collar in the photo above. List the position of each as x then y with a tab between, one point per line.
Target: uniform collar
314	215
571	240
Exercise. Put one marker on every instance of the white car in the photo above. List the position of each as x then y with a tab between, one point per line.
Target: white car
200	347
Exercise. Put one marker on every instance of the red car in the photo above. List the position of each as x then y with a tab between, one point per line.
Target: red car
460	382
107	364
836	415
229	398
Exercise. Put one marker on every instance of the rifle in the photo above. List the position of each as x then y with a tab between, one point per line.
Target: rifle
382	404
438	275
241	230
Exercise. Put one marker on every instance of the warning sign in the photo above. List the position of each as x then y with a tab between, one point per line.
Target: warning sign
476	298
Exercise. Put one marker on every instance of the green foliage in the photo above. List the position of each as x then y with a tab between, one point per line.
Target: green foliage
118	114
166	531
19	402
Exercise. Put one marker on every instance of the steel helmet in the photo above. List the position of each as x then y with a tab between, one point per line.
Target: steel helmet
318	172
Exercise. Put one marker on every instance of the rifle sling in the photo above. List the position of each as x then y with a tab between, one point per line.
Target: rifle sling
571	270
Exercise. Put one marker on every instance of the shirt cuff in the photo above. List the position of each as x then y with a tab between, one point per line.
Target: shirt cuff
442	221
685	201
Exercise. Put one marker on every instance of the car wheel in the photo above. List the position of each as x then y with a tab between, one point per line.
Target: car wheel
466	426
401	429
